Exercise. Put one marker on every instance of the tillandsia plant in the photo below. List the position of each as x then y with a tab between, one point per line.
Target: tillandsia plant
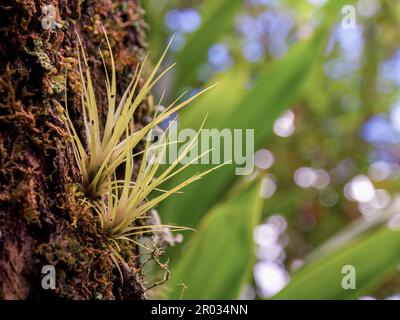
120	203
125	201
106	144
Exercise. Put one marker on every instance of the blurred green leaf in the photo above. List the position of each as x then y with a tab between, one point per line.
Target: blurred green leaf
218	101
219	256
277	86
154	11
374	257
217	17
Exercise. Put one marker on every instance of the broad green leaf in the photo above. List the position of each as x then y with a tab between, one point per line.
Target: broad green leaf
274	90
217	17
231	87
219	256
374	257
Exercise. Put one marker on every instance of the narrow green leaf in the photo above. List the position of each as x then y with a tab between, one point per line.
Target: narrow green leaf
374	257
220	255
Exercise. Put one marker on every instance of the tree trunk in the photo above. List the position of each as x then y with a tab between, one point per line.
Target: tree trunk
42	221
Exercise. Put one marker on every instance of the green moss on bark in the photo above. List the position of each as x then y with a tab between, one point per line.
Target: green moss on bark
41	220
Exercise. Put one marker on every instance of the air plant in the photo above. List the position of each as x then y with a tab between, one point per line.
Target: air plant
125	202
121	203
106	144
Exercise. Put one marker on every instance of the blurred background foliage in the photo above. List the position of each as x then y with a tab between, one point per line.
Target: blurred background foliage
324	103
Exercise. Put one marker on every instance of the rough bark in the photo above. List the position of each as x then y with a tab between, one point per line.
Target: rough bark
41	219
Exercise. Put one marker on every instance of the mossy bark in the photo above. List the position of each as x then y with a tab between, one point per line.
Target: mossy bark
42	221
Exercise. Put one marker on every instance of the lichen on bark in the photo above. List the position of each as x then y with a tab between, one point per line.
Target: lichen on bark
42	221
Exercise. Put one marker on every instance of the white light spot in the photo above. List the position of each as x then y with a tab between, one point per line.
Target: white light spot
322	179
381	199
374	207
380	170
268	187
263	159
360	189
305	177
269	253
368	211
347	192
270	278
279	222
284	125
266	234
